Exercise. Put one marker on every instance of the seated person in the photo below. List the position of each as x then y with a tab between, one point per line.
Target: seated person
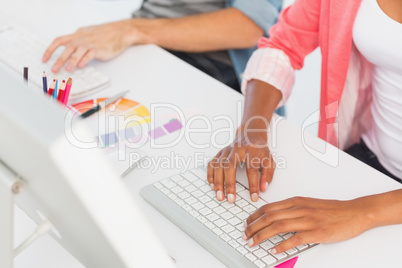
360	111
218	36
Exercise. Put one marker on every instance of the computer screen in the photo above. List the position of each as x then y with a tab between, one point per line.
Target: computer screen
73	187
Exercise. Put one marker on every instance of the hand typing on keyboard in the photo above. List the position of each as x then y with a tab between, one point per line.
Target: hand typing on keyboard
102	42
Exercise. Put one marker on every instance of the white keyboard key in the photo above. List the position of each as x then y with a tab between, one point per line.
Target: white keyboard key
259	263
235	234
242	250
250	209
250	256
186	207
240	227
267	245
251	249
269	260
205	188
212	204
165	191
241	202
183	183
199	184
204	199
211	194
179	202
217	231
191	200
177	189
291	251
219	210
198	206
301	247
199	173
246	195
233	244
158	185
276	239
280	256
241	241
235	210
194	213
239	187
260	253
176	178
227	205
183	195
201	219
234	221
190	188
197	193
226	237
205	211
189	176
209	225
228	228
242	215
172	196
227	215
220	223
212	217
168	183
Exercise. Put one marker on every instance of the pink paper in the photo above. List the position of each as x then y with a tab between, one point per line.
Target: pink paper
288	264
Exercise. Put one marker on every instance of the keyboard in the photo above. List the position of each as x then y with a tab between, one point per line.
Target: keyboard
188	201
19	48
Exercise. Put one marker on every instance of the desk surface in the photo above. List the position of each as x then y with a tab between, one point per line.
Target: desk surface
154	76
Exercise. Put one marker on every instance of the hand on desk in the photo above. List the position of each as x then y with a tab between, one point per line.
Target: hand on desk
102	42
314	220
250	149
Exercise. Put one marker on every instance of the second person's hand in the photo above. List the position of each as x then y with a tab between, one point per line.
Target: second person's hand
102	42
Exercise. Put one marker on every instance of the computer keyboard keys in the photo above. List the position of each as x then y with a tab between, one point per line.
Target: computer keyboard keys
251	257
269	260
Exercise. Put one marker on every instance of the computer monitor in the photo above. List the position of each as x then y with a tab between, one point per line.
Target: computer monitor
76	189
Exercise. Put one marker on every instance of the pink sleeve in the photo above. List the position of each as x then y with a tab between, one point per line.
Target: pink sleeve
291	40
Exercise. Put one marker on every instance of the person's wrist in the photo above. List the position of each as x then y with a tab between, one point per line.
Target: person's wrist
142	31
256	132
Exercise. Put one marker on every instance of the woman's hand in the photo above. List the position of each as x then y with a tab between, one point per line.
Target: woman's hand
250	148
102	42
314	220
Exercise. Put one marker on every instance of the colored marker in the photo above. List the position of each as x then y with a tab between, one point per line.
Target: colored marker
44	82
54	95
26	74
51	88
61	91
66	94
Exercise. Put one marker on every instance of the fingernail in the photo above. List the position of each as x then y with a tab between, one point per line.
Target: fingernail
245	225
273	251
212	186
244	237
250	242
69	67
219	195
265	186
44	59
231	198
55	68
254	197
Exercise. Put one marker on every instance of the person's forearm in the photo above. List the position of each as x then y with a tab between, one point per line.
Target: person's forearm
260	104
219	30
383	209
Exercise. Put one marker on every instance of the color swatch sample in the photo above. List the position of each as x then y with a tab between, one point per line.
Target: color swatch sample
131	129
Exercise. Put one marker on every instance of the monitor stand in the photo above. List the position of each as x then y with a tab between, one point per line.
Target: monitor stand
10	185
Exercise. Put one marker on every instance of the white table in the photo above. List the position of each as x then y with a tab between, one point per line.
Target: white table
154	76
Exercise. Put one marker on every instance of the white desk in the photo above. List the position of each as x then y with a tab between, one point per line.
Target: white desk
156	76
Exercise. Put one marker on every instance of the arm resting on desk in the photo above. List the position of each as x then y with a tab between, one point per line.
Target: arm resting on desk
220	30
322	221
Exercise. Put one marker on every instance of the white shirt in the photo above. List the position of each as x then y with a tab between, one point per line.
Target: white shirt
379	39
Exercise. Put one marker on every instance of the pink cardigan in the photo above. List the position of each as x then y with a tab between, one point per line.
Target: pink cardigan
346	75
